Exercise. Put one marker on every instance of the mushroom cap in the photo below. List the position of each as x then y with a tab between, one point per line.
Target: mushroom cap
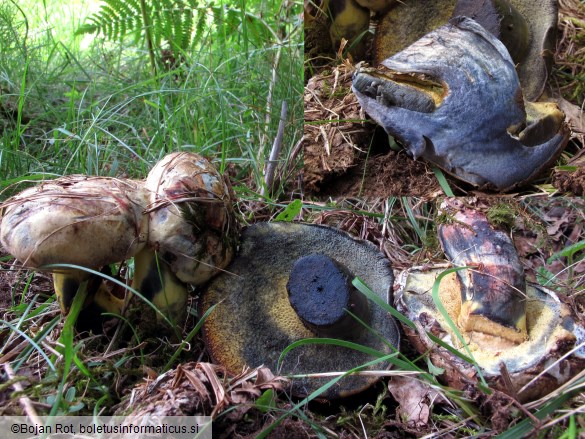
552	332
253	321
409	21
87	221
453	98
192	223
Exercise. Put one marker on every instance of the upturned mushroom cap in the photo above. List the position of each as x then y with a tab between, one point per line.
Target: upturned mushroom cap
192	223
536	366
87	221
453	98
527	27
254	320
506	322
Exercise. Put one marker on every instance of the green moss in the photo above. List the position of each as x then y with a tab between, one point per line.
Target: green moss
502	215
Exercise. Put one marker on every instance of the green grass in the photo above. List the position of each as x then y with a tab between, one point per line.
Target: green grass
80	104
83	105
99	110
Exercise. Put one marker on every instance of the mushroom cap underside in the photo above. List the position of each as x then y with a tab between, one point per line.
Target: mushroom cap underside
253	320
535	367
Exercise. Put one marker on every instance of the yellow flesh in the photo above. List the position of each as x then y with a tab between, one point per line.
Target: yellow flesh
103	297
478	326
544	315
171	299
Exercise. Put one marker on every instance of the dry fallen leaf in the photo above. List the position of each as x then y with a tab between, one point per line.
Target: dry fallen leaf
415	399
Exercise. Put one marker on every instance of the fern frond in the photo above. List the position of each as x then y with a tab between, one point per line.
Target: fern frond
200	26
187	28
114	20
171	21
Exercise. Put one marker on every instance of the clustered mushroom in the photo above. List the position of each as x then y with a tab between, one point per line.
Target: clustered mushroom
178	225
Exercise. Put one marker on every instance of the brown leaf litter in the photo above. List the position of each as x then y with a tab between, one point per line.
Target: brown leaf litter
203	389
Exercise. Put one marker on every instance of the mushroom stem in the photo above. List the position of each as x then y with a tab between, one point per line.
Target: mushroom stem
321	293
66	283
493	293
155	280
349	20
99	299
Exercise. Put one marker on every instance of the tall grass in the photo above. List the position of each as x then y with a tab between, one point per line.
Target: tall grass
99	110
74	104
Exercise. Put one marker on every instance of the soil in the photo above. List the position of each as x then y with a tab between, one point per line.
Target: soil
384	174
346	155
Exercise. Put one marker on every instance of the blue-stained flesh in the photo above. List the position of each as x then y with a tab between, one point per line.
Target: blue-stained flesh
495	287
469	119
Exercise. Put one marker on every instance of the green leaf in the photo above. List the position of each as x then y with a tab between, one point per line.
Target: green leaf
266	401
290	212
331	341
434	370
451	323
566	168
442	181
567	251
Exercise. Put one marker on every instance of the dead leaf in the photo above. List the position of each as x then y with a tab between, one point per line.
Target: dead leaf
415	399
575	115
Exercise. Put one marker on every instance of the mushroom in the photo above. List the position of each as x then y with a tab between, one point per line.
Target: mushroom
520	334
178	225
346	19
290	282
86	221
192	229
526	27
349	20
454	98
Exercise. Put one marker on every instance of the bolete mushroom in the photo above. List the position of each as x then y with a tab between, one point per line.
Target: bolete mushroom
454	98
520	334
178	224
86	221
526	27
193	232
290	282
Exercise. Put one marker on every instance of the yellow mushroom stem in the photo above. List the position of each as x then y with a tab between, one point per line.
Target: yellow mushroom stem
67	283
349	21
155	280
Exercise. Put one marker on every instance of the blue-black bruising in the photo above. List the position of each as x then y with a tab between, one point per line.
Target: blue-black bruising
475	129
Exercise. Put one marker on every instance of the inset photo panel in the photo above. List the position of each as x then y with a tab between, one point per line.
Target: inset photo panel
443	97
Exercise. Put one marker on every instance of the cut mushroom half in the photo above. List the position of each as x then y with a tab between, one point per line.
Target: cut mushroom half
292	281
454	98
519	334
527	28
